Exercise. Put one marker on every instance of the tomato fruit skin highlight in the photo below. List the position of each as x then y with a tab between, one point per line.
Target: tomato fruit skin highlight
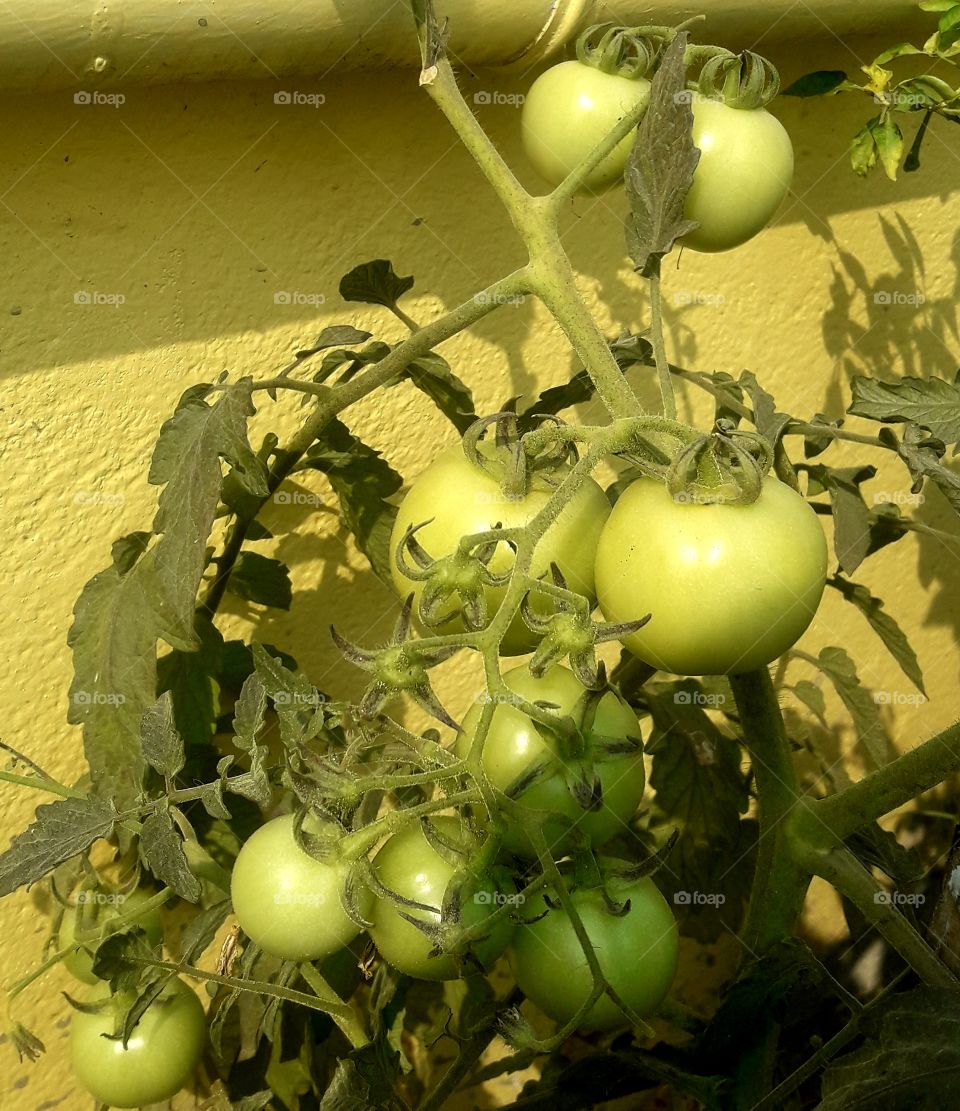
409	865
287	901
513	743
744	173
730	587
637	952
162	1053
459	498
567	112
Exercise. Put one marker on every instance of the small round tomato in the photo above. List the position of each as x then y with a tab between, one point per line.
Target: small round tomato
744	172
409	865
514	744
729	587
161	1055
98	908
459	498
287	901
637	953
567	112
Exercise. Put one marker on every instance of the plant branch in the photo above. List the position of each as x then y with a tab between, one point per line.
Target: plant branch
659	347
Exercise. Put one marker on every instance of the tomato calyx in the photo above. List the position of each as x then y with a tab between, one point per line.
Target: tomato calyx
398	668
455	583
570	632
725	465
506	458
611	48
745	80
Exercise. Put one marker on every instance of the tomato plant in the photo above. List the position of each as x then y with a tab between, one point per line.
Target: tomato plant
93	911
287	901
515	745
160	1055
635	941
729	587
416	870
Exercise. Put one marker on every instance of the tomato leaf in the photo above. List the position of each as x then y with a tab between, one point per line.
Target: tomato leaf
375	283
192	679
364	1081
818	83
334	335
864	711
555	399
911	1057
660	168
431	374
257	578
884	626
249	717
851	515
162	745
932	403
62	829
161	848
922	455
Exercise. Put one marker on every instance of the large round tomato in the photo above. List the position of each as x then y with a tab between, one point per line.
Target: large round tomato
163	1050
729	587
637	953
459	498
98	907
287	901
744	172
514	744
409	865
568	110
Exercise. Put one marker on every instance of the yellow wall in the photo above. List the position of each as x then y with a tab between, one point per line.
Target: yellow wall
197	203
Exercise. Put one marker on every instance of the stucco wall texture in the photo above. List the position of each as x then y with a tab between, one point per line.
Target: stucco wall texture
201	205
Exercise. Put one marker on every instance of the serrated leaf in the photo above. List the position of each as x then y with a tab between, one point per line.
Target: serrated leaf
893	637
192	680
812	697
660	168
113	639
161	743
555	399
198	936
819	83
911	1058
932	403
851	515
120	959
187	464
374	283
431	374
879	847
334	335
126	550
162	850
257	578
922	455
60	831
364	1081
362	480
842	673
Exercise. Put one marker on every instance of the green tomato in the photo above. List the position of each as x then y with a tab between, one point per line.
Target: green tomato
99	908
514	743
409	865
637	954
744	172
164	1049
459	498
287	901
729	587
568	111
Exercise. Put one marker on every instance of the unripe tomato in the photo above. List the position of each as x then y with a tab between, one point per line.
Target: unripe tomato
459	498
514	743
568	110
287	901
409	865
729	587
99	908
637	953
161	1055
744	172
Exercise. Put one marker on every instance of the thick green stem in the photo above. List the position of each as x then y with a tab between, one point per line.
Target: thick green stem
659	347
342	1014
